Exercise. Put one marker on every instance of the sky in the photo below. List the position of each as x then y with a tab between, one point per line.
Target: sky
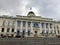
43	8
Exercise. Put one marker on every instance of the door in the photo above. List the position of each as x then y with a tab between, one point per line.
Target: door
35	35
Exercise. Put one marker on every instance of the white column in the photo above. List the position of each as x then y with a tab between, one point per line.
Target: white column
21	26
31	27
40	28
56	29
49	28
45	27
26	26
15	26
53	27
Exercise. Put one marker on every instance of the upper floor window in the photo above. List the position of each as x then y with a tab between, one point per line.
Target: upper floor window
3	24
8	23
13	23
46	25
42	25
24	23
35	25
51	25
29	23
18	23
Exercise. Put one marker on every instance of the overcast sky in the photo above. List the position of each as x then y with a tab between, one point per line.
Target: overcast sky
43	8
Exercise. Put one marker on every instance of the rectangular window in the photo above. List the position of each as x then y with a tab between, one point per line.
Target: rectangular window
42	24
29	23
7	29
47	31
12	29
2	30
23	32
58	31
1	34
13	23
3	24
51	31
18	23
12	35
28	32
57	27
42	31
8	23
50	25
24	23
46	25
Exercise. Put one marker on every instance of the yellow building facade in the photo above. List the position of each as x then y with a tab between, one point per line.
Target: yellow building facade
28	26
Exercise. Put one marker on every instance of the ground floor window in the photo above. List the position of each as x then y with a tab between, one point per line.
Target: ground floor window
23	32
12	35
28	32
2	30
1	34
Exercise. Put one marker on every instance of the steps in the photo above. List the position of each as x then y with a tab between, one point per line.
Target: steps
29	41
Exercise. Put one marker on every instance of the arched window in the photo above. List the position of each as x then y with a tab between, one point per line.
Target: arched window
35	25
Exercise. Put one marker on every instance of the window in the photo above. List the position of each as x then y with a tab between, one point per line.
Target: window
12	35
55	31
42	24
29	24
47	31
54	27
2	30
8	23
18	32
57	27
3	23
1	34
50	25
28	32
12	29
42	31
7	29
18	23
46	25
58	31
35	25
24	23
13	23
51	31
23	32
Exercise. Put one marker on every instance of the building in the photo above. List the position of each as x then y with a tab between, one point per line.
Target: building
28	26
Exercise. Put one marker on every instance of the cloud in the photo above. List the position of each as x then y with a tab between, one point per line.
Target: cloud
44	8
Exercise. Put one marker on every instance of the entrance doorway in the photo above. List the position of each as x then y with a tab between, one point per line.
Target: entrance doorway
35	35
